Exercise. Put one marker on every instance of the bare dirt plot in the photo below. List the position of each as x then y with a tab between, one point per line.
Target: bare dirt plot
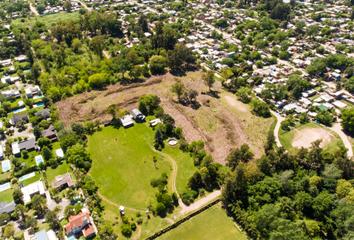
305	137
235	104
209	119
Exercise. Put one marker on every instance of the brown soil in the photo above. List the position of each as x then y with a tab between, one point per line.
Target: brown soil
208	120
305	137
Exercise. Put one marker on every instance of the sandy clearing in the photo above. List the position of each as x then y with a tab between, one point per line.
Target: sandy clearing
235	104
305	137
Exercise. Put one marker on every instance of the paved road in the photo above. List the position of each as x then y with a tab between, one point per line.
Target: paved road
277	127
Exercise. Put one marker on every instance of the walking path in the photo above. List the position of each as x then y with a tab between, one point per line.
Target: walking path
34	10
202	202
277	127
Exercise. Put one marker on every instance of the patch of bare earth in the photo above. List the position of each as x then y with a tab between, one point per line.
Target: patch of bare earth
305	137
206	120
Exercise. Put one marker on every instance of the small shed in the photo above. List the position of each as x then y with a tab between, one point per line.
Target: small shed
137	115
127	121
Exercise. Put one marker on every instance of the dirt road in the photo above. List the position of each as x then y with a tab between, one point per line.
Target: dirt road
201	202
277	127
34	10
338	129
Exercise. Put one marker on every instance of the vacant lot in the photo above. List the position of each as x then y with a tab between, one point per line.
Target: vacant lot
123	164
48	20
210	224
211	118
304	135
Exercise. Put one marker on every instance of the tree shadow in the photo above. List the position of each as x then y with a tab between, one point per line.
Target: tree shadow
178	73
214	94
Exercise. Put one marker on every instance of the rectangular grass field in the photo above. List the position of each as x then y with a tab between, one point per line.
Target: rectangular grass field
211	224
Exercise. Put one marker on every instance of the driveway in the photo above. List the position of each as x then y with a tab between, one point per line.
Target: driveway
52	204
337	127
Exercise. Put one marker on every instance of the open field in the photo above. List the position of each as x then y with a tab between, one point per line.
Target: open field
211	118
123	164
304	135
210	224
48	20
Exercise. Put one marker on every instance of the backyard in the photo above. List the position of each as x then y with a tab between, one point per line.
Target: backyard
210	224
123	164
303	135
48	20
6	196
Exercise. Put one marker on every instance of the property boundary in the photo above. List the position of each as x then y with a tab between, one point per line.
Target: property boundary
176	224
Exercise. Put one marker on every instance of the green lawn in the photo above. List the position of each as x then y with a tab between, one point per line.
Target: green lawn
6	196
286	138
210	224
60	170
30	161
122	165
32	179
48	20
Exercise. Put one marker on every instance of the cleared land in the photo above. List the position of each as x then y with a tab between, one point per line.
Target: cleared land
304	135
211	118
210	224
123	164
48	20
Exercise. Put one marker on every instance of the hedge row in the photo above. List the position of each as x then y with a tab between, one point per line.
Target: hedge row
176	224
26	170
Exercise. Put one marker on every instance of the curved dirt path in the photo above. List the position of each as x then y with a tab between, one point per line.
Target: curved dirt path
277	127
338	129
118	205
34	10
201	202
137	235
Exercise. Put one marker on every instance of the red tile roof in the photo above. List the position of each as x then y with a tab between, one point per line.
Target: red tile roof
76	221
88	229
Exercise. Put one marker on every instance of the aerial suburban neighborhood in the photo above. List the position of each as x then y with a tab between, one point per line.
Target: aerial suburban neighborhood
210	119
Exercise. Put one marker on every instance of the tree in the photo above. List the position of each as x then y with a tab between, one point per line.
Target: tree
112	110
76	45
160	208
97	44
312	30
154	159
51	217
343	188
348	119
43	142
67	6
20	211
17	195
47	153
322	204
209	78
4	218
106	230
39	204
226	73
36	71
157	64
178	89
244	94
9	231
32	223
158	136
40	8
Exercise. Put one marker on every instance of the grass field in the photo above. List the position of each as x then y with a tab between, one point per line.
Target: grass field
32	179
6	196
48	20
60	170
287	138
210	224
123	164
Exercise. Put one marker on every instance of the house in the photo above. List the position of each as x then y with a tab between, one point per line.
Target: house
29	145
137	115
1	152
11	93
18	117
32	189
30	91
50	133
63	181
41	235
81	224
21	58
339	104
7	207
230	54
6	62
127	121
154	122
44	113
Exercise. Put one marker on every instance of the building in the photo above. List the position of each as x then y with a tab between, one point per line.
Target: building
29	145
50	133
11	93
7	207
31	91
41	235
21	58
81	224
18	117
44	113
127	121
30	190
63	181
137	115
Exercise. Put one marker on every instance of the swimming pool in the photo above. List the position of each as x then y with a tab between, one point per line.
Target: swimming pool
27	70
27	176
39	159
4	187
20	103
59	152
36	97
20	110
6	166
72	237
38	105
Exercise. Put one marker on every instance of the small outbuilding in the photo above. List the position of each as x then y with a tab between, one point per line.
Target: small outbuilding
137	115
127	121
